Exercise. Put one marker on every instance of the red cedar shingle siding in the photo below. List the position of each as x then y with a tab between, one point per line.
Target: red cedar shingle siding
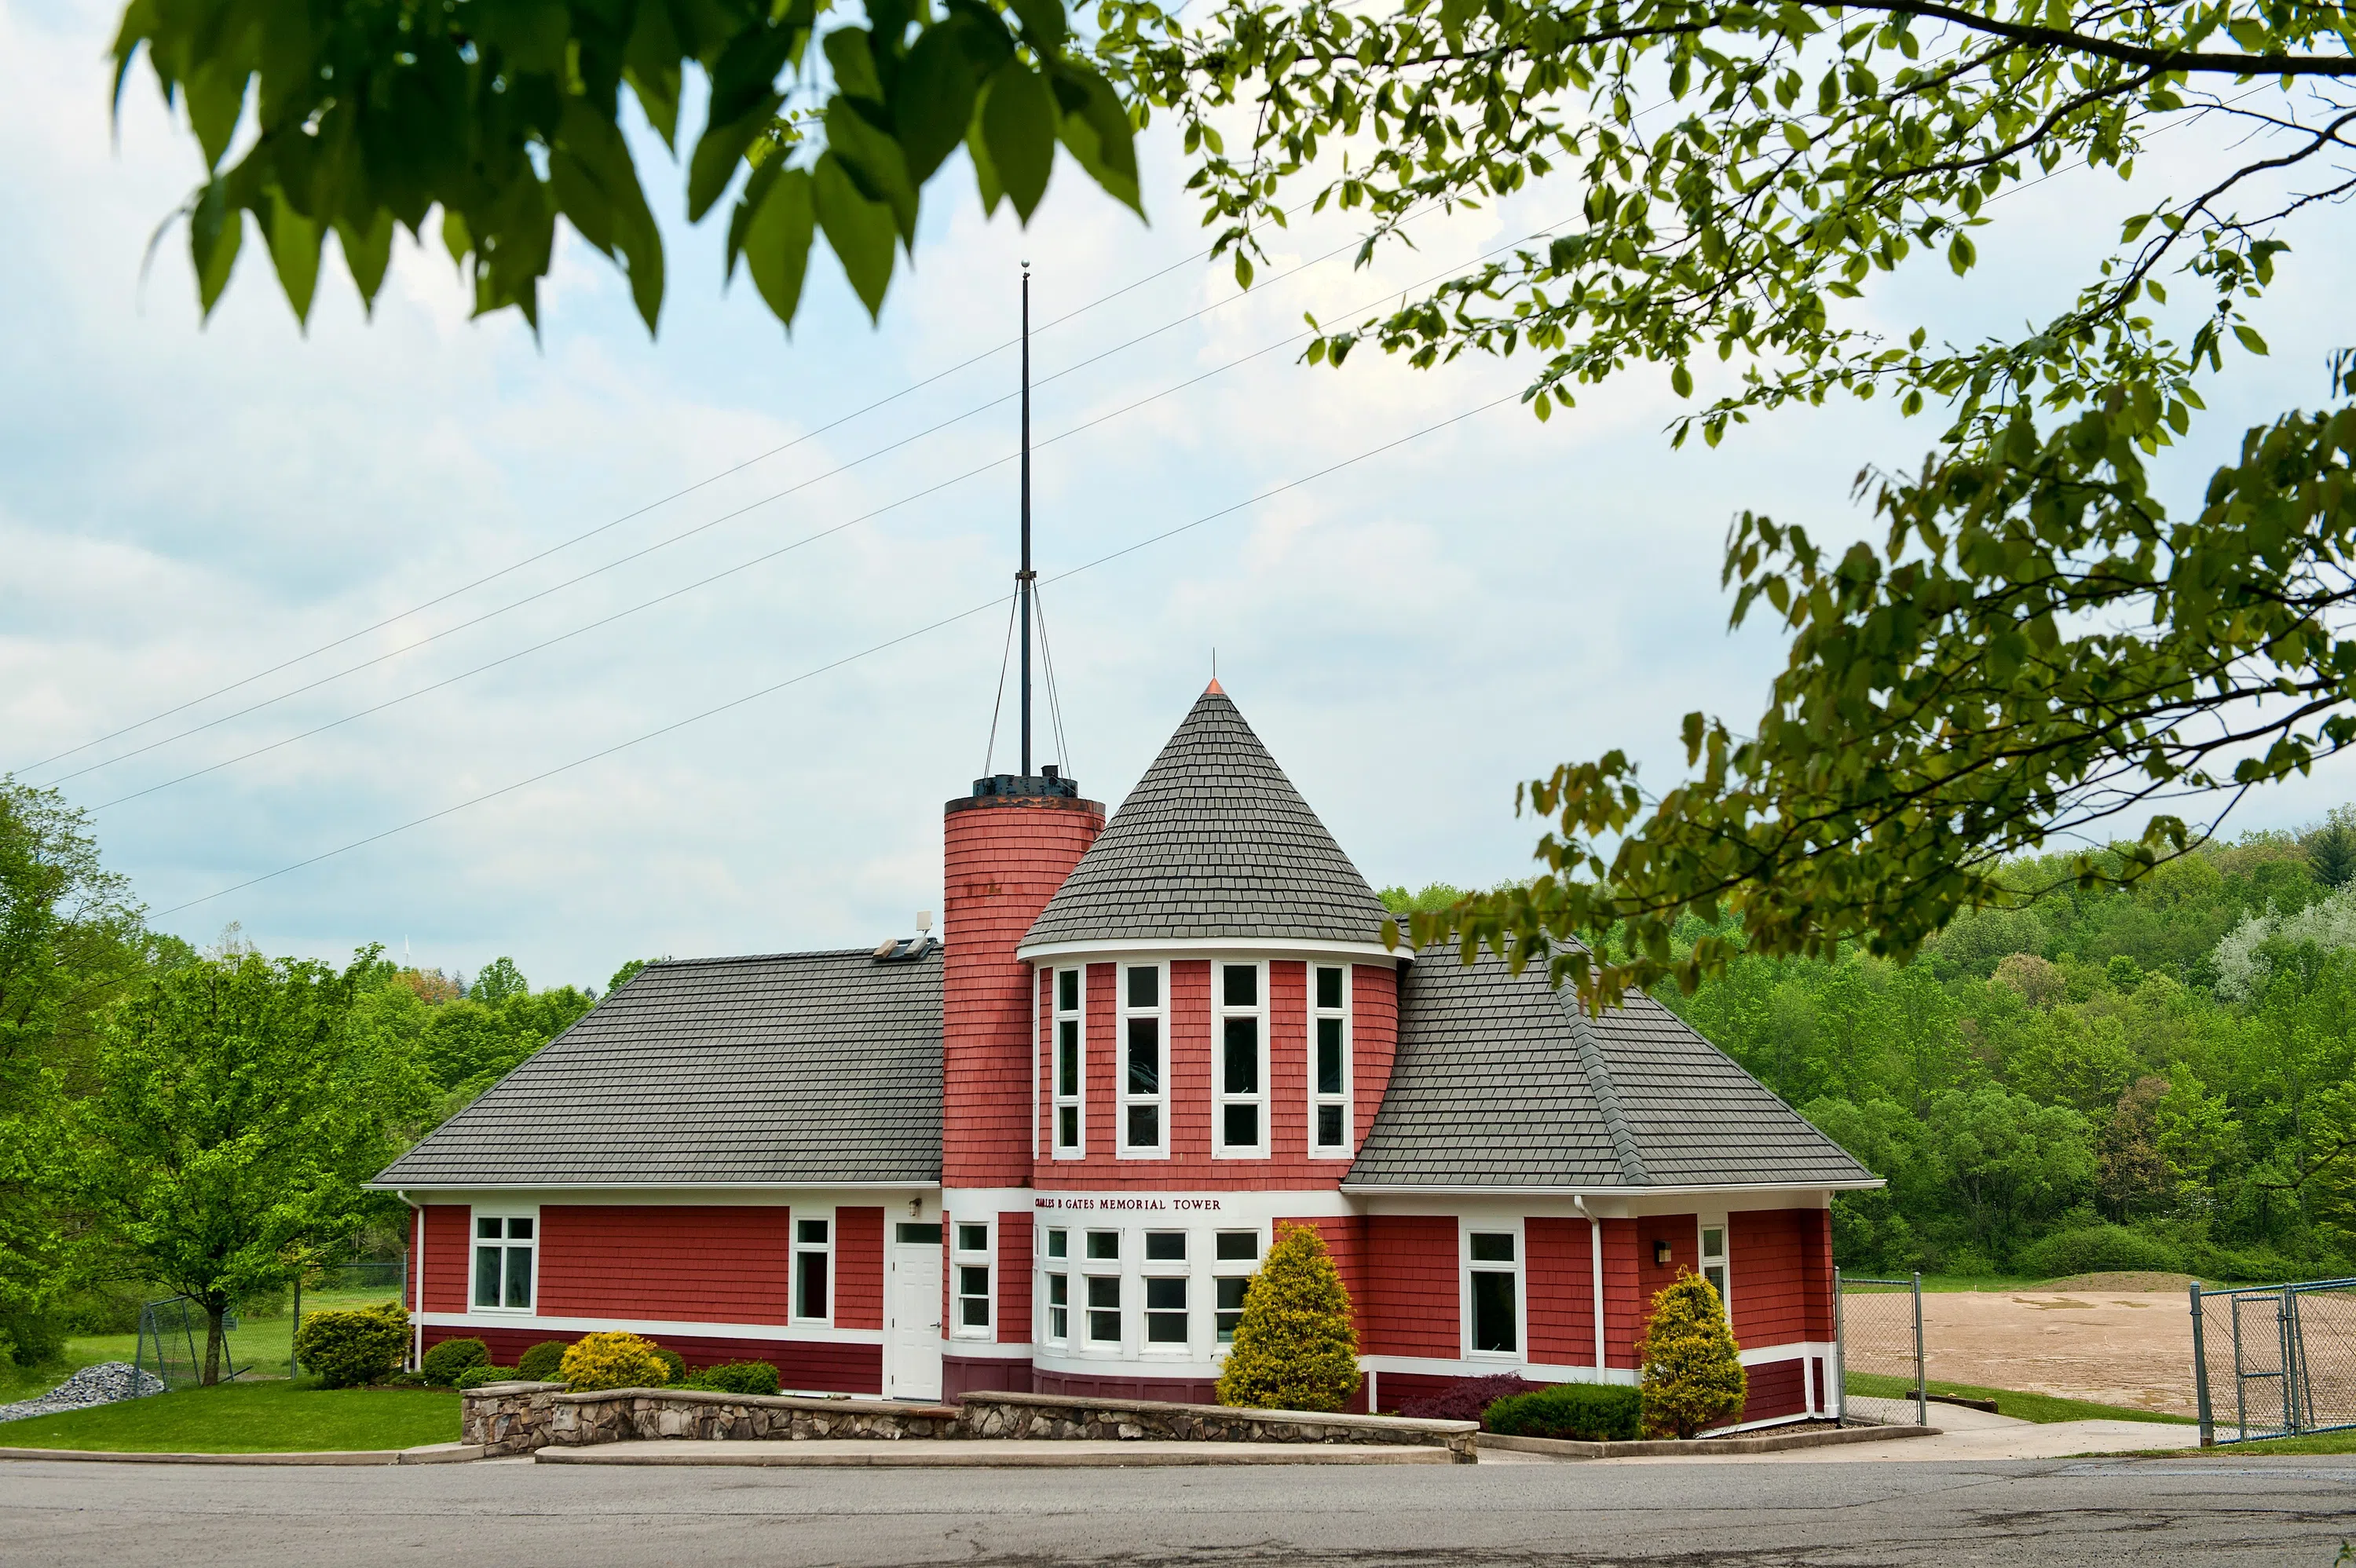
1560	1279
859	1268
1013	1278
1288	1063
444	1274
1625	1307
1345	1239
1411	1287
1776	1301
1189	1022
1374	1041
1099	1081
679	1263
1001	862
1778	1388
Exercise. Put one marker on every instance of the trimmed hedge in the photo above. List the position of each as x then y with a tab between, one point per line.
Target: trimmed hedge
1587	1413
445	1362
737	1376
540	1363
1467	1398
345	1350
484	1372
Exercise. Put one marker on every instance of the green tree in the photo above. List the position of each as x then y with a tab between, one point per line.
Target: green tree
628	973
234	1118
2007	1163
1693	1375
1296	1345
2331	855
498	980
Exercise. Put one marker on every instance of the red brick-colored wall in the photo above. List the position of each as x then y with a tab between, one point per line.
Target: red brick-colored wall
1778	1388
1288	1062
859	1268
699	1264
1099	1073
1190	1084
1374	1042
817	1367
1625	1307
1344	1236
1013	1278
443	1279
1560	1277
1003	860
1411	1287
1782	1281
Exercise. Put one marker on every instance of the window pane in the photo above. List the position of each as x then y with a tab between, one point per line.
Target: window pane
520	1229
1067	1056
1329	987
809	1285
1145	987
1145	1056
1145	1126
1490	1248
973	1311
1238	1243
812	1231
919	1235
973	1279
1067	990
1493	1312
1230	1308
487	1275
1242	1057
519	1276
973	1238
1055	1243
1104	1243
1103	1292
488	1229
1067	1127
1059	1323
1713	1243
1104	1327
1104	1311
1329	1056
1716	1274
1241	1123
1059	1290
1242	983
1329	1127
1165	1295
1165	1246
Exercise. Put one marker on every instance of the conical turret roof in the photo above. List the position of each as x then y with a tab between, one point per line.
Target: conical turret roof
1213	843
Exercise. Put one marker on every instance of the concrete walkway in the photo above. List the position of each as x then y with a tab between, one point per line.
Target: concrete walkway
1967	1434
986	1453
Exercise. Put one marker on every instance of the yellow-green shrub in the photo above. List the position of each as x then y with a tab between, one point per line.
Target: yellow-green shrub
345	1350
613	1361
1693	1372
1296	1347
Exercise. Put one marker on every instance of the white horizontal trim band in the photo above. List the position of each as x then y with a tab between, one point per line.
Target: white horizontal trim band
984	1351
811	1333
1212	946
406	1187
1670	1190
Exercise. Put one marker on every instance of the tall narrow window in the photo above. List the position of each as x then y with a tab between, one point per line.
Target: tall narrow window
1493	1277
505	1246
970	1267
1237	1255
813	1254
1143	1071
1241	1064
1056	1252
1713	1261
1069	1101
1165	1290
1328	1061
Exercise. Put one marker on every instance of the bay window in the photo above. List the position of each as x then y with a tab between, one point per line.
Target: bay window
1165	1294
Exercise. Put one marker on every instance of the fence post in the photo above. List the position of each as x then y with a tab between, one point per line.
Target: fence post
1841	1355
294	1366
1921	1382
2292	1414
2200	1372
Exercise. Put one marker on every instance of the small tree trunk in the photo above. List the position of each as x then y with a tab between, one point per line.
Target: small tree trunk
215	1333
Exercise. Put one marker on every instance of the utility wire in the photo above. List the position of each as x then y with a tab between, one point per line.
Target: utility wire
867	652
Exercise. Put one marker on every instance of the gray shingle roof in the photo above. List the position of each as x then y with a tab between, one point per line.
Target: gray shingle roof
1501	1082
1213	843
807	1067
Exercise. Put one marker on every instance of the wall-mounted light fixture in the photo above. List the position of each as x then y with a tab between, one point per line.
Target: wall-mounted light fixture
1661	1255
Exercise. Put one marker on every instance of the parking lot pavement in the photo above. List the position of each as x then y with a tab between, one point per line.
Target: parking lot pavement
2138	1511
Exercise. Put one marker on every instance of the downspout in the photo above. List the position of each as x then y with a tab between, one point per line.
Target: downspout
1595	1253
414	1287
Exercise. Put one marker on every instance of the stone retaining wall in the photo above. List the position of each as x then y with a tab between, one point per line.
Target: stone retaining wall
1040	1416
507	1418
621	1416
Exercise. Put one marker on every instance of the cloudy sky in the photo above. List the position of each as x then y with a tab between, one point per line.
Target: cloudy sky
185	507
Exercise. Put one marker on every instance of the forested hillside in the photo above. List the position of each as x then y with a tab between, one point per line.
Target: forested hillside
2163	1077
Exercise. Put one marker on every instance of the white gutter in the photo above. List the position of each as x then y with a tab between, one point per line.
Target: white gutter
415	1289
1595	1255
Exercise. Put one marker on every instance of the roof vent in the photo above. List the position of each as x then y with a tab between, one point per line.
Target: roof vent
906	949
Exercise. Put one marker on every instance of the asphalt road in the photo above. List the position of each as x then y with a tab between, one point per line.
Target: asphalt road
2145	1512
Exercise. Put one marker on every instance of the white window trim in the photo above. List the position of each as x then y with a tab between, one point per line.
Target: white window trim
1051	1267
1347	1098
1122	1098
1078	1101
1220	1099
1466	1268
1219	1268
1123	1268
1725	1259
963	1256
1169	1268
474	1241
795	1218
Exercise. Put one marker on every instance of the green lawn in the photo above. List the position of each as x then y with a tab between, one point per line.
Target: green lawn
2036	1407
2321	1443
257	1346
273	1417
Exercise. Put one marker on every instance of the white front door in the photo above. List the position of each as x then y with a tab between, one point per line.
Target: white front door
912	1351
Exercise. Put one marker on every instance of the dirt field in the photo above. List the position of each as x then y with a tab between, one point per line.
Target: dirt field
2130	1346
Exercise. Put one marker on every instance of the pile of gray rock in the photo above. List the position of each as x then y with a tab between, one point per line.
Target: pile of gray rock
102	1384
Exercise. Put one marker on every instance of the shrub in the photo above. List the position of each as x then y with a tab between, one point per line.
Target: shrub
1466	1398
613	1361
673	1363
345	1350
1693	1373
483	1372
1590	1412
737	1376
540	1364
1295	1346
2100	1249
32	1339
441	1363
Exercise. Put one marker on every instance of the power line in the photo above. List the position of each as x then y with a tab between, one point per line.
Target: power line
867	652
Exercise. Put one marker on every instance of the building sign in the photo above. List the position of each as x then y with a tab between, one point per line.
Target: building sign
1126	1204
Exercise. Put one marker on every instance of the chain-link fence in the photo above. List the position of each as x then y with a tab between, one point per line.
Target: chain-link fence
2274	1360
171	1343
341	1287
1878	1323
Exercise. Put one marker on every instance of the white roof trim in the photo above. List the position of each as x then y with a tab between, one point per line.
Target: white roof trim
1259	946
1667	1191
